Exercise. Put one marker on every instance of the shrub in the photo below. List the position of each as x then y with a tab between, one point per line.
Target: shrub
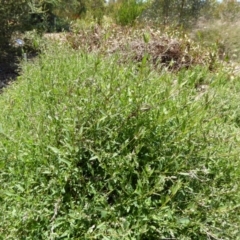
91	149
128	11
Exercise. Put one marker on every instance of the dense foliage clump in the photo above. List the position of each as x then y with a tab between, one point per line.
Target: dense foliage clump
91	149
113	132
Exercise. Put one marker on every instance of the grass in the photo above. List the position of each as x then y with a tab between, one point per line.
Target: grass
94	149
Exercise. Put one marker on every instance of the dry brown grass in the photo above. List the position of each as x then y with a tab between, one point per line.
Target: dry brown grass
55	36
174	50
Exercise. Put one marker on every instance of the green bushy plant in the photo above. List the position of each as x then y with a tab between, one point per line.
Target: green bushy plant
127	11
91	149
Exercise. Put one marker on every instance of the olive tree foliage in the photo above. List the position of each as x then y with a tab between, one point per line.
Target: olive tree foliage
46	16
13	14
74	9
180	12
227	10
17	16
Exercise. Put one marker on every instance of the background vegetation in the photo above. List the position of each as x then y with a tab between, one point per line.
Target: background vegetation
122	126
